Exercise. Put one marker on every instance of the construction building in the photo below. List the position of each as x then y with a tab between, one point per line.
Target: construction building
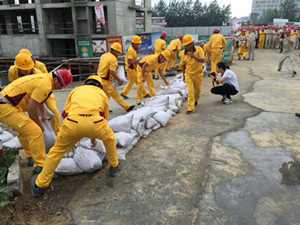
259	6
51	28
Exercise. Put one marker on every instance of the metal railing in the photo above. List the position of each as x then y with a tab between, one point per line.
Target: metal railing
19	28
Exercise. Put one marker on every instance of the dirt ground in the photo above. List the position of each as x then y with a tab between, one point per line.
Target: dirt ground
52	208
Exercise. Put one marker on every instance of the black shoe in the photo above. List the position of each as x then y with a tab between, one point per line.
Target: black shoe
124	96
297	114
30	161
294	73
147	96
35	190
247	59
196	103
113	171
239	59
252	59
189	111
110	110
130	108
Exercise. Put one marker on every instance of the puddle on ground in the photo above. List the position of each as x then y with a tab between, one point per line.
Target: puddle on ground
266	196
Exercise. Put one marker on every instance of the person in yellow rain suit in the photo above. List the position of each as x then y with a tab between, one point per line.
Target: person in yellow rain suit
295	34
85	111
144	68
16	72
217	46
243	49
39	67
27	94
174	47
37	64
181	53
192	64
106	71
159	47
131	61
262	38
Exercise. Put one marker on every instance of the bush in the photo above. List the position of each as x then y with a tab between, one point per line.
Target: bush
9	158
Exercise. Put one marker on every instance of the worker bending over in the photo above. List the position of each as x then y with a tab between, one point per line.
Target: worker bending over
27	94
19	70
159	47
106	71
131	61
174	47
217	46
84	116
243	49
192	65
144	68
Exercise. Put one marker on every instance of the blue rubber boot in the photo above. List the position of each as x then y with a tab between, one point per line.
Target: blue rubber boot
30	161
38	170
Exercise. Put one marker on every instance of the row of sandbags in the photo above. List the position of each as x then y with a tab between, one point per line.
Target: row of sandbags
129	129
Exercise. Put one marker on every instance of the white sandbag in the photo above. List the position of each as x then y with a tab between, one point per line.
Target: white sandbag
121	154
124	139
171	112
141	128
179	76
174	108
174	98
170	90
204	68
181	85
143	113
156	127
87	143
179	103
121	123
47	111
87	160
146	132
70	153
184	94
121	75
134	132
13	143
162	117
68	166
1	130
150	123
123	151
49	135
5	136
161	100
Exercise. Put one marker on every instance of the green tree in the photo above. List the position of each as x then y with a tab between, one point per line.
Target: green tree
192	13
268	17
288	10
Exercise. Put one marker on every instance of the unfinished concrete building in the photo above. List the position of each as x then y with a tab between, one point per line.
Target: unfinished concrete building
50	28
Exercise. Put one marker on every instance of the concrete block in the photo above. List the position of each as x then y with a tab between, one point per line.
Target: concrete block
14	178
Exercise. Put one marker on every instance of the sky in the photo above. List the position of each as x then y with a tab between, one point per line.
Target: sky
239	8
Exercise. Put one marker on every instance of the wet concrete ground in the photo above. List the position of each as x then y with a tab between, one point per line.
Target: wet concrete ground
223	164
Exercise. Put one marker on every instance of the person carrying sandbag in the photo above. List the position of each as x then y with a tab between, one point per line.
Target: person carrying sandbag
192	66
144	68
18	70
84	115
107	72
27	94
131	61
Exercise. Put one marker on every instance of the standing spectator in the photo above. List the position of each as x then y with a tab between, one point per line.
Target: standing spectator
251	43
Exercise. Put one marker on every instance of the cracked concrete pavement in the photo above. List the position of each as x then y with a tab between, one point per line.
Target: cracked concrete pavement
219	165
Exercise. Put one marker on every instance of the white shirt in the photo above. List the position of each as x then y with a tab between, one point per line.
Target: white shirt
231	79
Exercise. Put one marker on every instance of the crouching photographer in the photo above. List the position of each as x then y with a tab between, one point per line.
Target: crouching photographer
228	80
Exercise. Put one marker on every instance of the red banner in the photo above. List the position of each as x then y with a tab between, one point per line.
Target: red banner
99	11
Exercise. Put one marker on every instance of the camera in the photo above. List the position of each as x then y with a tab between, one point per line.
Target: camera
212	74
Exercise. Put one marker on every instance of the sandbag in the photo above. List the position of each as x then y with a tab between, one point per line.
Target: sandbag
174	98
150	123
156	127
171	113
121	123
68	166
87	160
170	90
140	129
181	85
174	108
86	143
146	132
162	117
49	135
124	139
1	130
143	113
13	143
161	100
5	136
70	153
123	151
120	71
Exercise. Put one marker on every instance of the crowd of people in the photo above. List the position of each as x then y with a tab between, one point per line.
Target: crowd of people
87	106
